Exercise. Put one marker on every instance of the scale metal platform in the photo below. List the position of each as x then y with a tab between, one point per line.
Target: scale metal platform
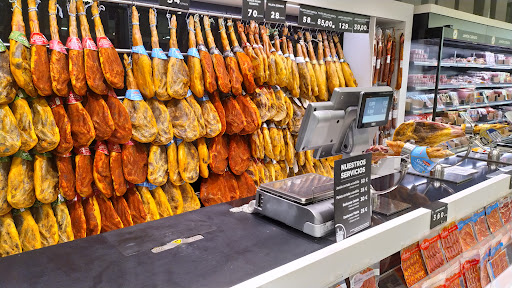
304	202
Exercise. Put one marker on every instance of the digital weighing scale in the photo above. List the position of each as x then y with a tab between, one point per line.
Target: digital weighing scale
344	125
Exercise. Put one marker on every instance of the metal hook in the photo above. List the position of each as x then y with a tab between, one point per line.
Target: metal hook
59	11
100	8
168	15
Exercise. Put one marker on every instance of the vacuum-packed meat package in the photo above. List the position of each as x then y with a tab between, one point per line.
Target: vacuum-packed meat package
451	241
492	214
505	211
432	253
471	269
466	233
412	264
480	224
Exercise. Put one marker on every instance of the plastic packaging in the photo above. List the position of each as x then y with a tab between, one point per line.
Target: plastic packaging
367	278
480	225
492	213
471	269
431	250
451	241
453	276
505	211
466	233
412	265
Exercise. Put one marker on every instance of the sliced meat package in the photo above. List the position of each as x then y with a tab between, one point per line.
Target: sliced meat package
492	214
466	233
505	210
471	269
412	264
451	241
480	225
366	278
453	275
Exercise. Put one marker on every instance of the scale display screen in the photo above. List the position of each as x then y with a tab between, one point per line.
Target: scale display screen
374	109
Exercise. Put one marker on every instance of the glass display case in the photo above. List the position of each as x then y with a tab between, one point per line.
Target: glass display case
453	71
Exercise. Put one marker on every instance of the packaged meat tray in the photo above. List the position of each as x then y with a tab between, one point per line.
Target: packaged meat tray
450	241
367	278
432	253
498	263
505	211
471	269
466	233
412	264
484	251
453	275
492	213
480	225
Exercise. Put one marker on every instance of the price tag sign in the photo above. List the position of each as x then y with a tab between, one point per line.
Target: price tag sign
253	10
308	16
439	214
327	19
352	203
361	24
178	4
275	11
345	22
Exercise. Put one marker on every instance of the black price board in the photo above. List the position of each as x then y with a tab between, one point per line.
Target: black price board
308	16
253	10
502	42
361	24
352	203
275	11
179	4
345	22
327	19
439	214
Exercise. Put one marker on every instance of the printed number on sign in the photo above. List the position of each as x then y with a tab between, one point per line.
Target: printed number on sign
438	215
274	15
325	23
252	12
365	209
343	25
360	27
306	19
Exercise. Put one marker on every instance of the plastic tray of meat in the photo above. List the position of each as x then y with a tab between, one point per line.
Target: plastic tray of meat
432	252
471	271
466	233
368	278
412	264
497	263
484	250
480	225
492	213
453	276
505	211
451	241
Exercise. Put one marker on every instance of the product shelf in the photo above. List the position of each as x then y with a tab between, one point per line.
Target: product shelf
463	65
494	85
457	108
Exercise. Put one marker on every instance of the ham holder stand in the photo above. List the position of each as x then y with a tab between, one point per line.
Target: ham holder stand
345	125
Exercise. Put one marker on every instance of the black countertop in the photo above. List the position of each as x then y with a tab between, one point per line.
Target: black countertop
235	248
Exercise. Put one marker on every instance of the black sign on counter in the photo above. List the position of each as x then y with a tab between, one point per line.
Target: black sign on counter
253	10
308	16
439	214
275	11
361	24
179	4
352	203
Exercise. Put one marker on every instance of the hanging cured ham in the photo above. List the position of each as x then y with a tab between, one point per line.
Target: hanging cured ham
294	80
190	200
5	166
135	205
282	72
27	229
243	60
235	120
144	128
59	70
188	162
93	72
172	163
23	114
211	119
254	40
76	214
116	169
210	80
174	198
8	86
194	62
123	126
92	216
149	203
204	157
311	69
76	54
162	204
219	65
239	154
109	219
8	131
44	125
213	190
135	162
184	120
66	176
163	122
235	77
345	68
122	210
319	68
191	100
262	102
336	60
427	133
159	61
82	128
219	153
251	114
19	52
109	59
257	65
60	210
83	172
100	116
178	78
46	178
271	56
142	70
20	183
101	170
330	67
246	185
157	165
39	61
305	83
214	97
47	224
61	119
